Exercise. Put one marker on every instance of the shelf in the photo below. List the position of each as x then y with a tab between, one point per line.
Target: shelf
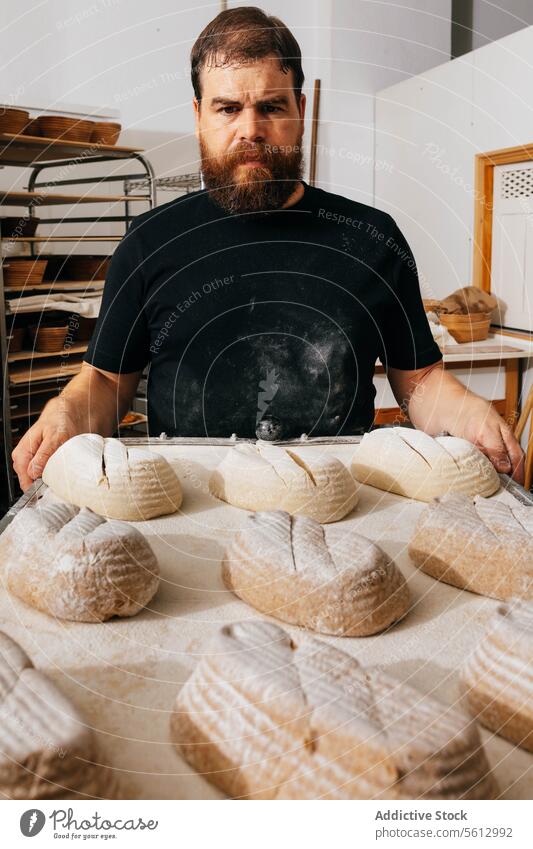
44	386
32	411
26	150
60	238
169	184
42	371
25	373
44	199
58	286
41	395
80	348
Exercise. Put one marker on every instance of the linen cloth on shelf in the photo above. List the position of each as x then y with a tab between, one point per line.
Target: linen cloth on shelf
86	304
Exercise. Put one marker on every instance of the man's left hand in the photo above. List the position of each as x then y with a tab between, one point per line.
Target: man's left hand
437	402
493	436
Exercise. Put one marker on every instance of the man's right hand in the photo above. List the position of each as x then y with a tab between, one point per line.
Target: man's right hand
93	401
52	429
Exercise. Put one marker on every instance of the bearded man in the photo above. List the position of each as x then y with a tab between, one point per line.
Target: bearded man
259	299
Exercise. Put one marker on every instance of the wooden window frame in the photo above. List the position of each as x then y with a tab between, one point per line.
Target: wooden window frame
484	205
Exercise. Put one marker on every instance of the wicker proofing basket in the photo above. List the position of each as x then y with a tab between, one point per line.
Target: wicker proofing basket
472	327
48	338
79	267
32	128
15	339
105	132
13	120
19	273
431	304
65	129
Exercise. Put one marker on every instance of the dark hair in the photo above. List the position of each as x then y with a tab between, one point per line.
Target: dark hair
242	34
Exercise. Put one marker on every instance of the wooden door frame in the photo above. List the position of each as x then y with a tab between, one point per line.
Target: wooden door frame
484	205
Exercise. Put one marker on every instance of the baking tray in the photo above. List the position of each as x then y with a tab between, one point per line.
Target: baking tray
125	674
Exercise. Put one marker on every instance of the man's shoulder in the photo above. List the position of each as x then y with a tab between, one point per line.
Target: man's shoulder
341	209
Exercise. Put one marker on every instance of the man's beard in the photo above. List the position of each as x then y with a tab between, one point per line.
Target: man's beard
261	189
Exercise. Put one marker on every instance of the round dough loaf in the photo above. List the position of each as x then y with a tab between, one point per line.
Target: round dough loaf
477	544
270	477
411	463
498	675
73	564
323	579
47	751
265	717
113	480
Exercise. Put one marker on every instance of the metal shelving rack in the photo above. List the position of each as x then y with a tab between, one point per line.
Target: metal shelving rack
181	184
38	154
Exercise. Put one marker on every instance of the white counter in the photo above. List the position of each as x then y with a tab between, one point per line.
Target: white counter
473	351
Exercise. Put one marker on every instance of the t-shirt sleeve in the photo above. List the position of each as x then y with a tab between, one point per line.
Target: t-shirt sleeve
120	340
407	342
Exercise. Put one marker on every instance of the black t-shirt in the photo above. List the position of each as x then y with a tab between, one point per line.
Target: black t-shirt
241	317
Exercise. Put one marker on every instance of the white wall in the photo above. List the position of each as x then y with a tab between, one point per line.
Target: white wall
134	56
430	127
29	53
491	21
367	46
127	55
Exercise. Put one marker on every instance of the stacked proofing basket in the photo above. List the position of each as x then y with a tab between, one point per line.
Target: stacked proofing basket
466	313
471	327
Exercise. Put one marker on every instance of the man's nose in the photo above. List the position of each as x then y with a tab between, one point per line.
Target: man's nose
251	125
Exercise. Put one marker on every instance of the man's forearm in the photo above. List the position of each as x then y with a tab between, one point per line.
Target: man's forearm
92	401
439	402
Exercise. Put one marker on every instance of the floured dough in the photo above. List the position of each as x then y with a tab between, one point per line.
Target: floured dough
73	564
46	749
498	676
270	477
113	480
265	718
321	578
478	544
411	463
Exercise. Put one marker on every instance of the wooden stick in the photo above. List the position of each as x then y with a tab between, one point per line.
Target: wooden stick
314	133
524	415
528	477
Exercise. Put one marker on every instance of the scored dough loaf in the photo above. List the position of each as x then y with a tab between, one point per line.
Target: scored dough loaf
264	718
498	675
46	749
321	578
112	479
73	564
411	463
270	477
482	545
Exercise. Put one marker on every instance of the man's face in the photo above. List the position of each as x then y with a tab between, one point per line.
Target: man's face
250	128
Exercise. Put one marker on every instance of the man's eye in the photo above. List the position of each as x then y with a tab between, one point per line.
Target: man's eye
229	110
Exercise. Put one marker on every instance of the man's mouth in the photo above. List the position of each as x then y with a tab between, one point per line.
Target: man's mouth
251	159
